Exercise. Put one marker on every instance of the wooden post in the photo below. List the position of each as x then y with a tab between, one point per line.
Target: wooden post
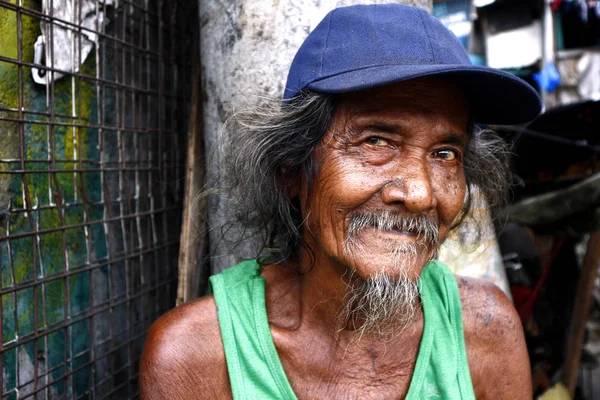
580	312
193	227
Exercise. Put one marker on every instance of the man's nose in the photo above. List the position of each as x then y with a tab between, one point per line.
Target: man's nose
412	188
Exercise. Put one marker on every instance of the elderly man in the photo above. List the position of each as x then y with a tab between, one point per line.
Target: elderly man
353	182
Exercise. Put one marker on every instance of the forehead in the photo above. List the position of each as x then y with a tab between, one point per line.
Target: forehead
440	101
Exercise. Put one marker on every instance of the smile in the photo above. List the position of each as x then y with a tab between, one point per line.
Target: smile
395	234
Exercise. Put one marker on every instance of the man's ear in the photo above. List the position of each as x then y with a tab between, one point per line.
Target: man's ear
293	190
289	185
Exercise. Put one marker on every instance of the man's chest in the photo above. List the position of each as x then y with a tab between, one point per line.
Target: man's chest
346	385
355	372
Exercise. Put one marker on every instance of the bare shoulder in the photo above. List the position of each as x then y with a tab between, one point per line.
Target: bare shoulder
495	342
183	357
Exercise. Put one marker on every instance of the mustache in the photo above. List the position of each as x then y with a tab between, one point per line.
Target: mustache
424	227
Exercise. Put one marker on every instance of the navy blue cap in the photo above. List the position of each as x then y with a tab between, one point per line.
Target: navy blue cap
365	46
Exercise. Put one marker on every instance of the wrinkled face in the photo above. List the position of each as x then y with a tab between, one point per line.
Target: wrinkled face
391	178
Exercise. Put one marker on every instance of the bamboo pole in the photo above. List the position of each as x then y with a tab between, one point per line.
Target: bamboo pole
580	312
193	240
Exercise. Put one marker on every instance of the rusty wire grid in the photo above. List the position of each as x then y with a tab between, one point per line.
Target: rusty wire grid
91	179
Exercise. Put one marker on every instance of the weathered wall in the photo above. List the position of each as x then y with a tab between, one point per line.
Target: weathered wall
246	50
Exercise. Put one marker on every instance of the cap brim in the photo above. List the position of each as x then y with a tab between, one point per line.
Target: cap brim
495	97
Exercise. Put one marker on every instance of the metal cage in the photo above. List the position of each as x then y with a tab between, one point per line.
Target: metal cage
94	102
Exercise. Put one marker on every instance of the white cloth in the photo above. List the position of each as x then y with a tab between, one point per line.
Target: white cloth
70	45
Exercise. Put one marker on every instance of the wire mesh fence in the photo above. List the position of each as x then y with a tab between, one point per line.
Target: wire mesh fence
94	97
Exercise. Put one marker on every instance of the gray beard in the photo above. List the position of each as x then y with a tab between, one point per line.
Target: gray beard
388	302
382	306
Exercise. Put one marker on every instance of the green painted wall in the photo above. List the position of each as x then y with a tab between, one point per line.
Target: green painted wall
90	292
17	255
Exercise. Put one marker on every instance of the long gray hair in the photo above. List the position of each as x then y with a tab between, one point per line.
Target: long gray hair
268	150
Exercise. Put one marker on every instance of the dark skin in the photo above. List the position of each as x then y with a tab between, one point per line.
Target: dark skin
397	148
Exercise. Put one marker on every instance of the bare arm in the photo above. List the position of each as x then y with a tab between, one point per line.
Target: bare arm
496	348
183	356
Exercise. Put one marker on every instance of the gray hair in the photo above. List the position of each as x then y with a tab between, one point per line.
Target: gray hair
268	151
381	306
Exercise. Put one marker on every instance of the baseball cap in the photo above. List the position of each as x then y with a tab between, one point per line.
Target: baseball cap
365	46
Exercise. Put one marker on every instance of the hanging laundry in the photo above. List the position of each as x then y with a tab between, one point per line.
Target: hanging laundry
67	40
548	78
579	23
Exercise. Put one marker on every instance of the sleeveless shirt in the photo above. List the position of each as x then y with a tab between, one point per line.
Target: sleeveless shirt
255	370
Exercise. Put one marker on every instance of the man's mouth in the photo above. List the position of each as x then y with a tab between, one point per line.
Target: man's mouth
393	232
422	228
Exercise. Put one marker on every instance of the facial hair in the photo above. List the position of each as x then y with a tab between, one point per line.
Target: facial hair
387	302
381	306
424	227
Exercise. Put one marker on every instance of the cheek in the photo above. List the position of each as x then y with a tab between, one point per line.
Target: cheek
346	183
450	189
342	186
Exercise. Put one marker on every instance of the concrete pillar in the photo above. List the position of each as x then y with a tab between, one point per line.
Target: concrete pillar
246	50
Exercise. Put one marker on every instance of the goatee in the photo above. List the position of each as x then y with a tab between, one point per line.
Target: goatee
381	306
386	303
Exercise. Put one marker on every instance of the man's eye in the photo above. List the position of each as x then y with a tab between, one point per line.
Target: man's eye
447	155
376	141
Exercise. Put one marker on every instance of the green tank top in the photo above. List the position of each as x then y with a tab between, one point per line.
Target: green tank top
255	371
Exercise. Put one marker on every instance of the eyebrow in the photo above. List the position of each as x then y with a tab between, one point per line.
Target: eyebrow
453	138
375	124
456	139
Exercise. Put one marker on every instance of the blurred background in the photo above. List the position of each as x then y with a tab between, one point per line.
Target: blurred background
110	111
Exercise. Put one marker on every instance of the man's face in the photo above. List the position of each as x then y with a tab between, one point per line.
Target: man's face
390	164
